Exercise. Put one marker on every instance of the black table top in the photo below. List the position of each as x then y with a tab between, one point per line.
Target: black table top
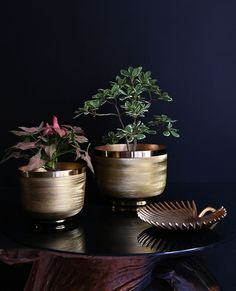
97	230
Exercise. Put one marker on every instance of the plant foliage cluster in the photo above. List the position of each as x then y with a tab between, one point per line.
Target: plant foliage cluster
45	144
130	97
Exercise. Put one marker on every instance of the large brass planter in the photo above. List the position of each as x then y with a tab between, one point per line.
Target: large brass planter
131	176
53	196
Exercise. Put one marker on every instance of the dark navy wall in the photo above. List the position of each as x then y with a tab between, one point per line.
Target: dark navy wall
55	54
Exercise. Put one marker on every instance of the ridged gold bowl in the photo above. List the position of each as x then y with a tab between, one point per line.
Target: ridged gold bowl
135	175
53	196
180	215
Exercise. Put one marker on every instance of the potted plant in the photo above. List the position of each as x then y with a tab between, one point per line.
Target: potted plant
131	170
51	190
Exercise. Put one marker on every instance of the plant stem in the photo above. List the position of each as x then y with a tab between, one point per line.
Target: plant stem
122	125
134	146
107	114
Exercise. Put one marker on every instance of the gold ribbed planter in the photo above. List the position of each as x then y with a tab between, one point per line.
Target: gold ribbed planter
54	196
131	177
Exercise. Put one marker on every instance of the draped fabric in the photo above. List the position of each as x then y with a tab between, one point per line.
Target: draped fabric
53	271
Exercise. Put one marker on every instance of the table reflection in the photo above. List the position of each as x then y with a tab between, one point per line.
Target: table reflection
117	233
71	238
173	241
104	232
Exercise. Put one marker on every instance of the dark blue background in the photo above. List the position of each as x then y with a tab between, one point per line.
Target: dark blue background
56	54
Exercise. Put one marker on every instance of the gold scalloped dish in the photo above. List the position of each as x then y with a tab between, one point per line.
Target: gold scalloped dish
180	215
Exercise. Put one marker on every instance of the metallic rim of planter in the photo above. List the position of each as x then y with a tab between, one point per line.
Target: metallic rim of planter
64	169
120	151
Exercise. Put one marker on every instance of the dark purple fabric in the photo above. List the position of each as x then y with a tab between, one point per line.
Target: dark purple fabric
53	271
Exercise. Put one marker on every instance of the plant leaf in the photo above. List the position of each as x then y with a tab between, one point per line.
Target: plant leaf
25	145
50	150
87	159
81	138
34	163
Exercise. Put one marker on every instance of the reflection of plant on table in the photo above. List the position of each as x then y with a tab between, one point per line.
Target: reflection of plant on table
45	144
130	97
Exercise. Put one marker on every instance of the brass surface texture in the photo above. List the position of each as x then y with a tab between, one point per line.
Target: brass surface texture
120	150
180	215
53	198
132	178
63	170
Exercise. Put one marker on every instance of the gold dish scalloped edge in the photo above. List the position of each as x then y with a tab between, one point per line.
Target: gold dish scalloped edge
180	215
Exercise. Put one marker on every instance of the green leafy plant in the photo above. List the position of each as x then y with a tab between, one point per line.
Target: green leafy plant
130	97
45	144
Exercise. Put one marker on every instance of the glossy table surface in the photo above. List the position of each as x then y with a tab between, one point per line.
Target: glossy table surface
99	231
101	249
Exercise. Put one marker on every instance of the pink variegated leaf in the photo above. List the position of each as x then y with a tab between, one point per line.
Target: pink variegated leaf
57	128
50	150
81	138
32	130
16	155
78	154
60	131
25	145
67	126
47	130
55	124
19	133
34	163
76	129
87	159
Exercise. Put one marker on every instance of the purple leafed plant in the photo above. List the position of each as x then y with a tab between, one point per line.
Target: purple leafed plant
45	144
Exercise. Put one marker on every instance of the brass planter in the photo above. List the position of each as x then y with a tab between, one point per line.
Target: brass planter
131	176
54	196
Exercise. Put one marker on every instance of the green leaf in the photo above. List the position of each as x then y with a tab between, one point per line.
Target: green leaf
136	71
129	128
140	136
174	133
124	73
114	89
165	97
166	133
147	74
130	70
152	132
169	126
110	138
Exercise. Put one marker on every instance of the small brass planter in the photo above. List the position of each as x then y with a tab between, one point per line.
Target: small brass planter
54	196
131	178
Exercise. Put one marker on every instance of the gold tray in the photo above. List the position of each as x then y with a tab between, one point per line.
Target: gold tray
180	215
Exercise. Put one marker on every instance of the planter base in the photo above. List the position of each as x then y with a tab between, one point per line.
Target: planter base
128	204
66	223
